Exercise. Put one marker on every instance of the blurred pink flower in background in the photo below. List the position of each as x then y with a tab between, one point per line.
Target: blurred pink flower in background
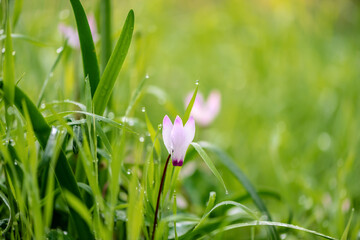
71	34
203	112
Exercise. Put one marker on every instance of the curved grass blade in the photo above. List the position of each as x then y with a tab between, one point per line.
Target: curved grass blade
191	104
17	10
102	95
226	203
346	231
7	203
209	163
26	38
273	224
90	63
63	171
77	204
235	170
57	60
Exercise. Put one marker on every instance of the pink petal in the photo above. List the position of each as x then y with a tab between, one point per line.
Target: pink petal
70	34
166	132
93	28
181	138
189	130
213	103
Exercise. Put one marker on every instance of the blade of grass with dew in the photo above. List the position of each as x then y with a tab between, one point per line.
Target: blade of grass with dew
153	135
235	170
103	92
27	39
226	203
88	52
30	176
135	96
57	60
209	163
9	67
10	219
105	32
53	147
17	10
191	104
346	231
267	223
63	171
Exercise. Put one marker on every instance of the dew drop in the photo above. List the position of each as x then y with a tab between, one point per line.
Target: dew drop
1	31
226	192
131	123
13	53
143	109
141	139
42	105
128	172
147	76
65	233
59	50
197	82
3	50
160	126
51	74
15	162
111	115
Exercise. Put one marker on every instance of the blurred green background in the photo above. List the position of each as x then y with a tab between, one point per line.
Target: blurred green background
288	72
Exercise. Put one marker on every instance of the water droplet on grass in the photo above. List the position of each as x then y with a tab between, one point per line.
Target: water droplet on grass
141	139
143	109
3	50
59	50
13	53
160	126
197	82
147	76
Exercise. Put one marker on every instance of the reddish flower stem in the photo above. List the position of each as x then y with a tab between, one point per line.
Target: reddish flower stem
158	198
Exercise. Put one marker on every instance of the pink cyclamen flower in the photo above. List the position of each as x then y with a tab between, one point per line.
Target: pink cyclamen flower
205	112
71	34
177	138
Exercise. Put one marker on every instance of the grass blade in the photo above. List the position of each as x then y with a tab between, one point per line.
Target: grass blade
7	203
102	95
90	63
105	28
17	10
235	170
9	68
57	60
209	163
63	171
273	224
191	104
346	231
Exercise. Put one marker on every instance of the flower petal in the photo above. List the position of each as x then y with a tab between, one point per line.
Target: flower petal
181	138
213	103
166	132
189	130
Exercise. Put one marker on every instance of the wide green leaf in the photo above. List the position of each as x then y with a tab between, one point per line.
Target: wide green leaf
103	92
90	63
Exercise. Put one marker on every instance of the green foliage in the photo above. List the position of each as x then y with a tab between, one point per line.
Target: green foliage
86	161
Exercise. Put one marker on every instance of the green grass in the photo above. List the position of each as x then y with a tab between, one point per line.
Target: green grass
82	152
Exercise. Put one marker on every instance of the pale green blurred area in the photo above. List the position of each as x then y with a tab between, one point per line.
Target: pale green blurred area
288	72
